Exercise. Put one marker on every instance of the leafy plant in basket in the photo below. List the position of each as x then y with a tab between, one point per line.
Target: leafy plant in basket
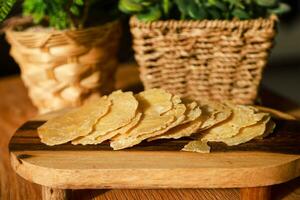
73	14
151	10
67	54
203	49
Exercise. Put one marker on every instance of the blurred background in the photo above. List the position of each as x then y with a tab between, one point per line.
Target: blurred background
282	75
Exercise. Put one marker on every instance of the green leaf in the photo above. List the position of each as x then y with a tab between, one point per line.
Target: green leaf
75	10
266	3
5	7
204	9
236	3
154	13
221	5
182	6
129	6
281	9
166	6
240	14
196	11
36	9
144	2
79	2
211	2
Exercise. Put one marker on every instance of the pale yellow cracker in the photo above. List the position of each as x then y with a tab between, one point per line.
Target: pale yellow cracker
149	106
189	126
242	116
179	115
121	130
147	124
155	101
270	126
73	124
197	146
214	113
123	110
183	130
247	133
192	112
150	126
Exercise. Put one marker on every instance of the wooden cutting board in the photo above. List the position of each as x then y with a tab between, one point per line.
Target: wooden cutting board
157	164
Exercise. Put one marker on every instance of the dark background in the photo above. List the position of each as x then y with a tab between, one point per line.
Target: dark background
282	74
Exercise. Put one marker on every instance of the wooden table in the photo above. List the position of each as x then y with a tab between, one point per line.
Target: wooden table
15	108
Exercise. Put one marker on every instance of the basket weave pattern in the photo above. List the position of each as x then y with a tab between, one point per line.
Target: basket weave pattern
211	60
66	68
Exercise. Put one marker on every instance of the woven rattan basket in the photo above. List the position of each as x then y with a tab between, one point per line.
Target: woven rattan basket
66	68
209	59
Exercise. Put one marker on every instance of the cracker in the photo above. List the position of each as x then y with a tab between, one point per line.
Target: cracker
148	124
73	124
189	126
270	126
242	116
123	110
247	133
214	113
192	112
197	146
155	101
151	125
121	130
183	130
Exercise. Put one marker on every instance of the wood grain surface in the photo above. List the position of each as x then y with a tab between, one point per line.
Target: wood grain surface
154	169
15	109
55	194
255	193
285	139
156	164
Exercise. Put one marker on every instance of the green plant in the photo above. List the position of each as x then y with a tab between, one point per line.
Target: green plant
150	10
5	7
62	14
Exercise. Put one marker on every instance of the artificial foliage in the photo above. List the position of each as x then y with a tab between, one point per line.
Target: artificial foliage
151	10
72	14
5	7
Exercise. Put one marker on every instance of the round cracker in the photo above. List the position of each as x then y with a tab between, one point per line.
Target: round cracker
148	124
180	117
242	116
270	126
186	128
214	113
154	101
121	130
247	133
123	110
183	130
73	124
192	112
151	125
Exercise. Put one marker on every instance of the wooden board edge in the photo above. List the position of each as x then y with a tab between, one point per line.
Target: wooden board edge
155	178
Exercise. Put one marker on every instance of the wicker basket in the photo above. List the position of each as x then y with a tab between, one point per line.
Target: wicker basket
66	68
209	59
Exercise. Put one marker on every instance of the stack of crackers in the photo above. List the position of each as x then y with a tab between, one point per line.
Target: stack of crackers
126	120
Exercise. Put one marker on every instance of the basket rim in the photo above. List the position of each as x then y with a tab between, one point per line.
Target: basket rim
51	37
173	23
46	30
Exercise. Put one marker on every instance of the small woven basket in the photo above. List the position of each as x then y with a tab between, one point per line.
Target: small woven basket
209	59
66	68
